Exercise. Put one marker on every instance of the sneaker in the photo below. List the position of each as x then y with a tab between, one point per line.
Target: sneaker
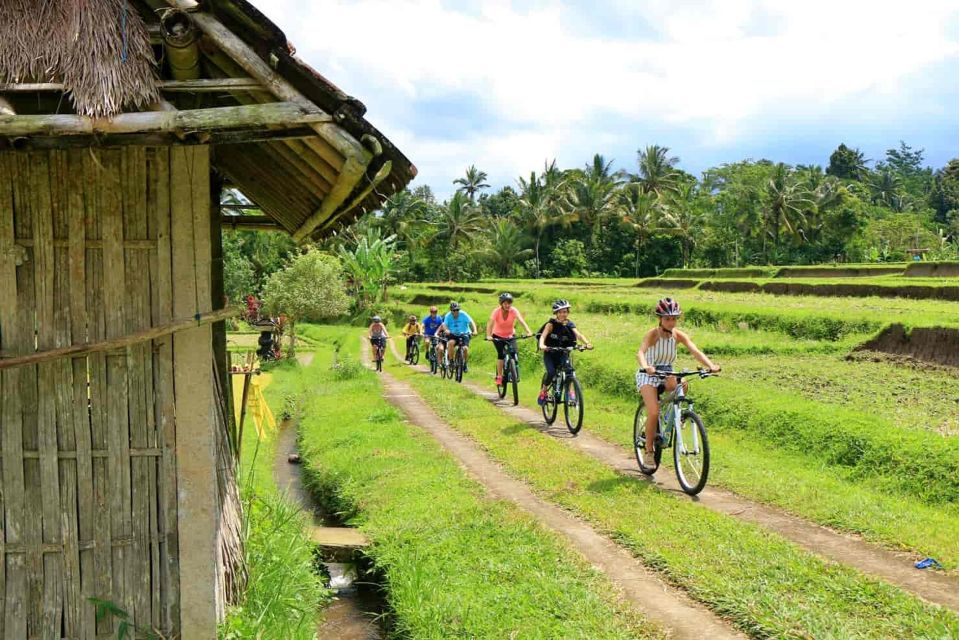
499	381
466	368
542	398
649	458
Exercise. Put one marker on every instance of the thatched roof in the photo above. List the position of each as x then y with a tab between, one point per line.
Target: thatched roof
98	49
311	174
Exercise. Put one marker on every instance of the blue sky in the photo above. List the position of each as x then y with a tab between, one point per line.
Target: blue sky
507	85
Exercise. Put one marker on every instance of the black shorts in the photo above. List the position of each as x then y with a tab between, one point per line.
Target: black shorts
378	342
502	344
461	339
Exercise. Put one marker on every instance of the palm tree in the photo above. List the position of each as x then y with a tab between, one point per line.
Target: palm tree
885	188
641	212
472	182
591	193
684	219
507	246
786	203
457	219
540	205
657	173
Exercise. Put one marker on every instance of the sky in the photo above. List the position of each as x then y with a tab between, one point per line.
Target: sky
507	85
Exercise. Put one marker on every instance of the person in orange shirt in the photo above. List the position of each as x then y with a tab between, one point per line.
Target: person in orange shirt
502	326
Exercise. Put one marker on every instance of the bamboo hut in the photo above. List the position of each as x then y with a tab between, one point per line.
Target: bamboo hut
120	123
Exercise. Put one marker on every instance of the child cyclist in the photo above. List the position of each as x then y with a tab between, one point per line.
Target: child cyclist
656	357
501	329
377	333
559	331
412	332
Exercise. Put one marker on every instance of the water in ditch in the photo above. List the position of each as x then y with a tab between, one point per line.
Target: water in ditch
356	612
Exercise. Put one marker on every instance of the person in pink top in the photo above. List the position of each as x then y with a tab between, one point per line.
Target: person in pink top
502	326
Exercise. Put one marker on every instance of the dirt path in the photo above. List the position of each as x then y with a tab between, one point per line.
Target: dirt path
667	606
891	566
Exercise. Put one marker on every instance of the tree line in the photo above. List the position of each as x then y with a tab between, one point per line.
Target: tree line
594	221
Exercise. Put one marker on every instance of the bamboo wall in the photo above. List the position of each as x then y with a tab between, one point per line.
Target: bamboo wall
97	244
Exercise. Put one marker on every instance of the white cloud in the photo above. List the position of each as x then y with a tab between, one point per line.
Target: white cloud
716	65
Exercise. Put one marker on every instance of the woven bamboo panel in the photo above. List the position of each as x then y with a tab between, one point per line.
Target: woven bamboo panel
88	474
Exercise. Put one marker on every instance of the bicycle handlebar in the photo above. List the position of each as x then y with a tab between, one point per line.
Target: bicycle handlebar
679	375
568	349
498	339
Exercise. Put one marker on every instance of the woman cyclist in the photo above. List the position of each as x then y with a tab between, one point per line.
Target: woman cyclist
412	332
656	357
502	326
378	334
559	331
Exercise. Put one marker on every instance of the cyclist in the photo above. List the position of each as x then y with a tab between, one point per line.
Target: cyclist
412	331
460	327
378	334
559	331
502	325
656	356
431	324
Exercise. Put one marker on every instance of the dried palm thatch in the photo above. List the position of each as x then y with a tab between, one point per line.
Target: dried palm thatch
99	49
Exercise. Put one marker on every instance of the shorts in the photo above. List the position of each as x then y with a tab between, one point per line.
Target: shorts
502	344
461	339
659	381
378	342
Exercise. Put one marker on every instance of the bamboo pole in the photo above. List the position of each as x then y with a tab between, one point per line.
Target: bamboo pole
211	120
357	156
199	85
119	342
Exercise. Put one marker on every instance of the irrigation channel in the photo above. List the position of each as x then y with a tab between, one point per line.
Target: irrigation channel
358	605
641	588
891	566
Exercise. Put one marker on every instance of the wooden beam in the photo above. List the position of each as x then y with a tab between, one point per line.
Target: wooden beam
195	120
250	223
240	136
120	342
202	85
357	157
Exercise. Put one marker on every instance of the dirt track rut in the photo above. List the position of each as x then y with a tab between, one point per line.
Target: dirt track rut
665	605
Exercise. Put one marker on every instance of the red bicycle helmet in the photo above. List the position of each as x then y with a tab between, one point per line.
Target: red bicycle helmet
668	307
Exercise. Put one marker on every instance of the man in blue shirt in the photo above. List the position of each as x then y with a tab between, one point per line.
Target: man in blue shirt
460	327
431	323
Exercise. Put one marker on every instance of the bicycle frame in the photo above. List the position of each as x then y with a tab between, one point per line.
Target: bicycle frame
670	417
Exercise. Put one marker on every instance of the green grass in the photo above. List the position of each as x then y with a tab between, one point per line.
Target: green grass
283	594
456	563
766	585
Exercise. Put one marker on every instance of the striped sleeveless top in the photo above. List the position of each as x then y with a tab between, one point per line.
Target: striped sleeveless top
662	353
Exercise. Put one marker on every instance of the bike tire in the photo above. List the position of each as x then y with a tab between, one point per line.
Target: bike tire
639	440
573	408
690	440
503	385
551	406
415	355
434	365
379	363
513	381
458	367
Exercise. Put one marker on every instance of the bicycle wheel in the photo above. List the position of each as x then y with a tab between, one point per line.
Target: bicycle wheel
431	356
639	441
458	367
552	404
513	381
379	359
502	386
573	405
415	354
691	453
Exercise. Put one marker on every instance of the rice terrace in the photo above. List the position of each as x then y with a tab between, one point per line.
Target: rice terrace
449	343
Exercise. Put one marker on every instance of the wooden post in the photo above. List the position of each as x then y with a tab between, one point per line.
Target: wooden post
197	512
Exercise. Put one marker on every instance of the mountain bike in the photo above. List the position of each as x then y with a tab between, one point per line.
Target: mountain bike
413	357
680	428
565	389
378	350
510	368
458	365
431	356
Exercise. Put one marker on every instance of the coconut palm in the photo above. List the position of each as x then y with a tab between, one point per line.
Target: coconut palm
657	172
472	183
457	220
785	205
684	218
541	205
885	188
507	246
641	212
591	192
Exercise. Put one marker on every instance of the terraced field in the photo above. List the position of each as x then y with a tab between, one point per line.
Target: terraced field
835	468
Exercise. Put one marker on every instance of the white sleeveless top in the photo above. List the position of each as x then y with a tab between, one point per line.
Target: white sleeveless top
662	353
